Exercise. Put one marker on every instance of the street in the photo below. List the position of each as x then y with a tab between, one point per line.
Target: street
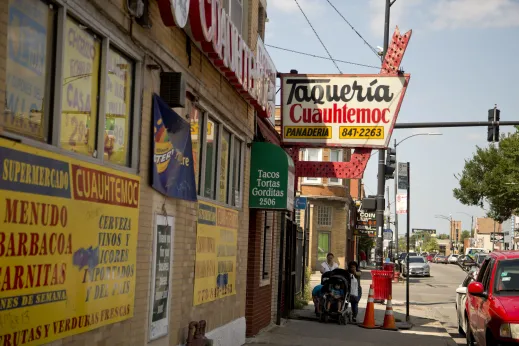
432	313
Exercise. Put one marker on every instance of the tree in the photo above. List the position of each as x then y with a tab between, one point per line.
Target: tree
366	244
464	235
431	245
490	177
443	236
402	244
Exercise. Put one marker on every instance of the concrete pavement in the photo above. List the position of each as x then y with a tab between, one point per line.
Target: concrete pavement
432	313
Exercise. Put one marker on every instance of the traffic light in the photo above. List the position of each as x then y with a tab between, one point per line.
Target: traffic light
493	130
390	163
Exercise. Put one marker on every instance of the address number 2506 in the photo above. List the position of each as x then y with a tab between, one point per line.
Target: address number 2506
267	202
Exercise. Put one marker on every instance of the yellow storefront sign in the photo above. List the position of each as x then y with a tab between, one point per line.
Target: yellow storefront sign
67	245
308	132
216	248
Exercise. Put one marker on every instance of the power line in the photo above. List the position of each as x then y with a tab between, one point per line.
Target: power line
322	57
351	26
316	34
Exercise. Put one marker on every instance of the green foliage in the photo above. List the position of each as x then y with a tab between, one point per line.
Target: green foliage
464	235
402	244
492	176
431	245
366	244
443	236
307	294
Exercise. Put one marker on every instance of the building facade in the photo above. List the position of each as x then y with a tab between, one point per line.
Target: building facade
482	234
81	81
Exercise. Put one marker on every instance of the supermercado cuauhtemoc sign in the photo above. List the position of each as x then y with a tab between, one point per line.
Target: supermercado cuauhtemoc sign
216	249
68	241
340	110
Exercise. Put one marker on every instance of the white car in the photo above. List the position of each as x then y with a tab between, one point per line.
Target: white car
461	298
453	259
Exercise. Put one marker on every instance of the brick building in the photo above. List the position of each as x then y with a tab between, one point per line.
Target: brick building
65	66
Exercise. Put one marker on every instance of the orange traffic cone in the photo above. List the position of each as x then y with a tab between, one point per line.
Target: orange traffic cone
389	318
369	314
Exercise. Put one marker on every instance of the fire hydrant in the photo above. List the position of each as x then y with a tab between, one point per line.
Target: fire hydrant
196	334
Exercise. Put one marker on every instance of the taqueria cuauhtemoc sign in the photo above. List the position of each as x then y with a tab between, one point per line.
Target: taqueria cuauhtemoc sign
340	110
68	240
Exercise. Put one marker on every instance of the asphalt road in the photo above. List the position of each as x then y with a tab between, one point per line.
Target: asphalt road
435	295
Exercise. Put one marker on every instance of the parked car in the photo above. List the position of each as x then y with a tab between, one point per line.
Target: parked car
430	257
403	255
452	259
417	266
441	259
493	300
461	306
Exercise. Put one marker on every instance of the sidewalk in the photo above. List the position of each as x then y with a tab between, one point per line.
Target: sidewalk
304	329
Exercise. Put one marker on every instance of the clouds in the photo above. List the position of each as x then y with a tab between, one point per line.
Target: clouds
446	14
475	14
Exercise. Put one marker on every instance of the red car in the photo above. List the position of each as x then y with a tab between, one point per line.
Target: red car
430	257
493	301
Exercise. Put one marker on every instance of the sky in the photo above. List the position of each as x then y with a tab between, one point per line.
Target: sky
461	58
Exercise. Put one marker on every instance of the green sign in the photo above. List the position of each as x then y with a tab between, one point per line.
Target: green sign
271	178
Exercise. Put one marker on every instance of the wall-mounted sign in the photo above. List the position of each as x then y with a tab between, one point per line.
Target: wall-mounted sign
216	249
161	276
401	203
173	172
68	248
268	86
497	237
300	203
271	177
340	110
388	234
211	26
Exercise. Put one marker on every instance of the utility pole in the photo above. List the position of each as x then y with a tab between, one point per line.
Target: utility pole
382	165
396	215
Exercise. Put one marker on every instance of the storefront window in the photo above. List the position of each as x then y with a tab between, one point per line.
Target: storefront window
225	152
194	118
82	52
30	47
236	167
211	146
119	90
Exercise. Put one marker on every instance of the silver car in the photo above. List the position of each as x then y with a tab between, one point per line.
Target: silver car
417	266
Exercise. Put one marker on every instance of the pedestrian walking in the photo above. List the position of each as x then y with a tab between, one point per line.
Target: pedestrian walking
355	288
329	264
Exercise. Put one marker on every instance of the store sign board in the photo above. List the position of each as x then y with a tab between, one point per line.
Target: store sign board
423	230
212	27
271	178
366	224
68	245
497	237
340	110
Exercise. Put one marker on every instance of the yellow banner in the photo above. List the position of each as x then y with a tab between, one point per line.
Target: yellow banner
216	248
67	245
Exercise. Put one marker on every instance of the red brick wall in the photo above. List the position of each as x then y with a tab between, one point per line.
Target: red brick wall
258	299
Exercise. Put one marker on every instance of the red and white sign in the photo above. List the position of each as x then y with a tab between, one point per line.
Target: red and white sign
220	40
401	203
340	110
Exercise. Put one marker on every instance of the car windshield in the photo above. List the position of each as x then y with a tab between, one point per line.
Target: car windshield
416	260
507	277
412	254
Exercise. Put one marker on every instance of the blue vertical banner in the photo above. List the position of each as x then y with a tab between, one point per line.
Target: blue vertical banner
173	171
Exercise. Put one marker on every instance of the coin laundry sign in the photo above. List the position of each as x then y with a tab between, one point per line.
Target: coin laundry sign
341	110
250	73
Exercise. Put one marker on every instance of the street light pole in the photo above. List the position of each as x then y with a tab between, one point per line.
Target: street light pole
396	180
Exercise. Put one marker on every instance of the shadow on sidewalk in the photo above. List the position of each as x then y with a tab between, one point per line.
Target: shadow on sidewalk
304	329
